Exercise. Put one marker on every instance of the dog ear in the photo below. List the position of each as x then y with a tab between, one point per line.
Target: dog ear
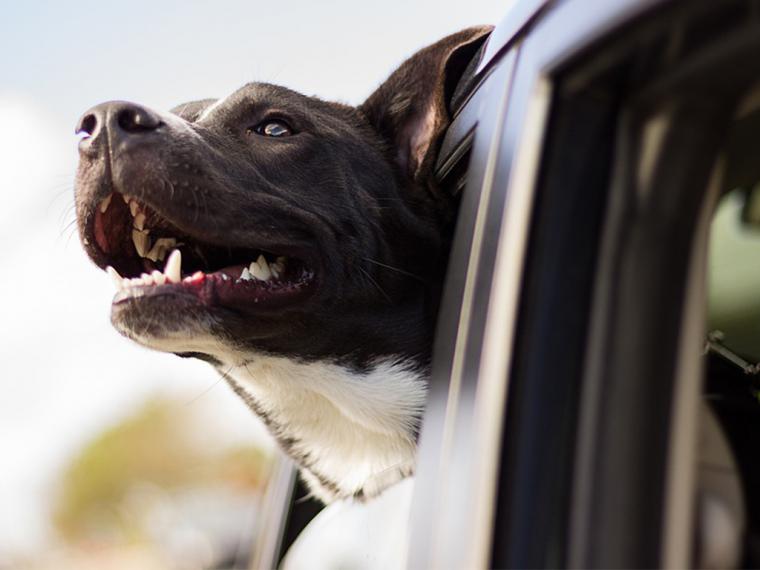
410	109
191	110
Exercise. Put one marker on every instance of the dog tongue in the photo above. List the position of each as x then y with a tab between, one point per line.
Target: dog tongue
110	229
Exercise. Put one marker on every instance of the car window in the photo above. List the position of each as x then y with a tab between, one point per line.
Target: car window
729	502
734	303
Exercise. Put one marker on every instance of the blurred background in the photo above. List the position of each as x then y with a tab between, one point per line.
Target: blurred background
114	456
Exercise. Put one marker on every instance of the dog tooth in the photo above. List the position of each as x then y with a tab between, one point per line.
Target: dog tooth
104	203
278	267
114	275
197	276
141	241
133	207
260	269
159	249
155	252
126	198
173	267
245	275
158	277
140	221
254	270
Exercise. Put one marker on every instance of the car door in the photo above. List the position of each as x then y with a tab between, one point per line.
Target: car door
565	407
566	414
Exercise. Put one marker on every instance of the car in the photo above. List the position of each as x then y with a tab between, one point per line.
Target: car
593	400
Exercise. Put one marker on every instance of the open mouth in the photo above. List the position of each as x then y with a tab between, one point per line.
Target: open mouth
146	255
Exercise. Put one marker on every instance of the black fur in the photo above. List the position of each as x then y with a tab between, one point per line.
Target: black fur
350	192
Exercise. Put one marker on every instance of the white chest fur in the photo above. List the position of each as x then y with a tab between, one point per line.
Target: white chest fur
353	432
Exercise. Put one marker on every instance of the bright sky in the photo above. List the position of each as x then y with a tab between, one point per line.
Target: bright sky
65	373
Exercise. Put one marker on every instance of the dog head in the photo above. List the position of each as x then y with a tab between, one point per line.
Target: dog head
274	222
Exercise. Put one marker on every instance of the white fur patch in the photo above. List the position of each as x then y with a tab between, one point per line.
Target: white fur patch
352	431
356	428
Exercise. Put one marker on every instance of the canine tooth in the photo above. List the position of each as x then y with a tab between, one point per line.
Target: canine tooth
133	207
246	275
104	203
114	275
173	267
125	198
158	277
141	241
140	221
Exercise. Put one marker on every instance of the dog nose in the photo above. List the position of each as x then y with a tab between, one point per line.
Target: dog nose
117	120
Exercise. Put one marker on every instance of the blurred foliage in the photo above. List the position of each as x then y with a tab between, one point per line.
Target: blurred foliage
734	277
161	445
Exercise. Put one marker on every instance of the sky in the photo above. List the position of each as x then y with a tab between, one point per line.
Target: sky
64	373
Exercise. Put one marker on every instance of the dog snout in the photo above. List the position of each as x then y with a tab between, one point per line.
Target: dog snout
119	121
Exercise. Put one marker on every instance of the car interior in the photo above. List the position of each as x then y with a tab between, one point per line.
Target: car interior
729	501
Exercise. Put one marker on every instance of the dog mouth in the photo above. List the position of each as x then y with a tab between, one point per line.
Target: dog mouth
147	255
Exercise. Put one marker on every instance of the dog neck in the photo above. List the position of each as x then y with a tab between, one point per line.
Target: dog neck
351	431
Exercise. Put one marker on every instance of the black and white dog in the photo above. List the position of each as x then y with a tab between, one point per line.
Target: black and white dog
295	244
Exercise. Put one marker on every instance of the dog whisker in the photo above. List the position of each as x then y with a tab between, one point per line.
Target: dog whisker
69	227
396	269
222	376
375	283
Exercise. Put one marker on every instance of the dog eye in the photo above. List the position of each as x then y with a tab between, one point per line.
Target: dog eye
272	128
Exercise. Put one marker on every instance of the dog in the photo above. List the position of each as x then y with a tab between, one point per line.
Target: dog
296	245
